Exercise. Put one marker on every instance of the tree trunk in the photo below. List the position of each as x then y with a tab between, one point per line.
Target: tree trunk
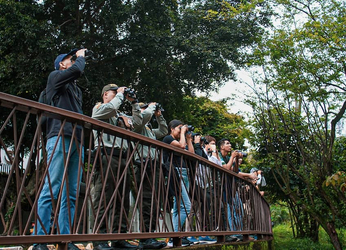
333	235
313	233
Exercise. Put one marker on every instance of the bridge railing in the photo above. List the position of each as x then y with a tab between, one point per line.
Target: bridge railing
119	193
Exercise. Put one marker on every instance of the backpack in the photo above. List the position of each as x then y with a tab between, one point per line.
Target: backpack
43	99
124	122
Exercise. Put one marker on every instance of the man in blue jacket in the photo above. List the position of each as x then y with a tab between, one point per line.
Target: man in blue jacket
64	92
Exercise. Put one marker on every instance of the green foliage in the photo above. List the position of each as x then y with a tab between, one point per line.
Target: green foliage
213	118
337	180
296	115
148	45
24	49
339	154
283	239
163	49
279	214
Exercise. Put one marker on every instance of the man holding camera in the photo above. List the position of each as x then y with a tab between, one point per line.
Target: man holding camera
232	163
206	147
148	163
110	154
63	92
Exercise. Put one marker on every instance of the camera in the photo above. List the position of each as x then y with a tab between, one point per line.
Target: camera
244	155
203	139
130	93
193	135
190	128
89	55
159	107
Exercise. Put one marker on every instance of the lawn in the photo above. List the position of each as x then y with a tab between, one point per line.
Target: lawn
283	239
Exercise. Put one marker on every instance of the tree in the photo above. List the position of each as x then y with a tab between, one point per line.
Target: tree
303	100
147	45
213	118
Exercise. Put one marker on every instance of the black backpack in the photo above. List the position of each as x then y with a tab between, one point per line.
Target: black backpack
44	99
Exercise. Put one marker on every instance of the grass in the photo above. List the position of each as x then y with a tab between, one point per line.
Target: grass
283	239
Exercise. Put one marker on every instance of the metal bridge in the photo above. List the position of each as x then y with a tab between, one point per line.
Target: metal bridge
222	203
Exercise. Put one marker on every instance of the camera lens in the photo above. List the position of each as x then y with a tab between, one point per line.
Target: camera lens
190	128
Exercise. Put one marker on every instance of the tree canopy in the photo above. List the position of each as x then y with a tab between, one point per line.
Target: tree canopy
213	118
170	46
299	105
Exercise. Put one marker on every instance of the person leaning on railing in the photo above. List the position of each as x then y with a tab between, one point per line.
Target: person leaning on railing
260	181
108	111
63	89
149	157
207	149
235	204
179	137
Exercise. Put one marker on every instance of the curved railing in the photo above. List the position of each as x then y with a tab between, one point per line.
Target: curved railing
222	202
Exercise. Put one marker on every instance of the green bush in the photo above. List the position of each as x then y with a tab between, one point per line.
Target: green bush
279	214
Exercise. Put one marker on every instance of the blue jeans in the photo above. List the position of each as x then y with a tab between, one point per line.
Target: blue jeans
235	223
184	202
56	173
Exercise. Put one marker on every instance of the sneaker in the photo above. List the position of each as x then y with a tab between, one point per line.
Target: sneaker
193	240
239	237
102	246
206	239
163	243
230	238
151	244
122	244
170	243
40	247
185	242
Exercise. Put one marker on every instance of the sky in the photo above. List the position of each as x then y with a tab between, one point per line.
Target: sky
237	88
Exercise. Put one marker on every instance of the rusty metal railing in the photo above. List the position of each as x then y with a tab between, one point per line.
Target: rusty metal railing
112	185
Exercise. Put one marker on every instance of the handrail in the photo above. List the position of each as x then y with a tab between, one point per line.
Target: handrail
226	203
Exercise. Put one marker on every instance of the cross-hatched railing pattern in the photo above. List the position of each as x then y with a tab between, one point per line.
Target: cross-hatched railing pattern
116	192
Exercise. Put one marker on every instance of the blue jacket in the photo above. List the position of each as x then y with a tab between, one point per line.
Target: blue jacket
62	87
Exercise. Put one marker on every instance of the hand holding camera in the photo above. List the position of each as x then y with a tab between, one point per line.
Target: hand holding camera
81	52
196	138
129	93
235	154
184	129
121	90
158	108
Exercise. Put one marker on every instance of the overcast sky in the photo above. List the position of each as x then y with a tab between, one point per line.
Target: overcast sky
237	88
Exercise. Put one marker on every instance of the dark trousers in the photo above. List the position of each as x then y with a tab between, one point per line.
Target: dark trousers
147	177
105	181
